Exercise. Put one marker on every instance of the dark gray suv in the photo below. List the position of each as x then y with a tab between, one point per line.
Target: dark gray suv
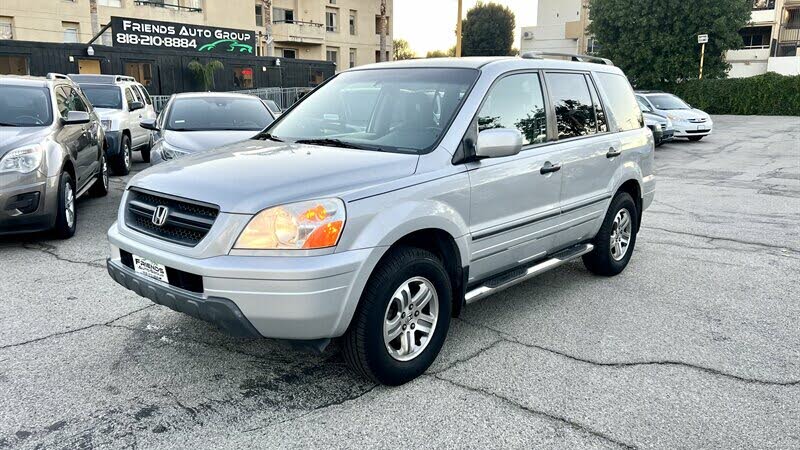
51	152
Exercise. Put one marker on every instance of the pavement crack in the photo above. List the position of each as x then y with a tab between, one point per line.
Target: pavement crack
463	360
51	250
546	415
75	330
711	239
664	362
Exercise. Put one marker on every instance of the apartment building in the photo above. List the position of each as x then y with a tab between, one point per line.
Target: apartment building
341	31
770	40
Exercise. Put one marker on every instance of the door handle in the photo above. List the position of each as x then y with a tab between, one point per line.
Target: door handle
613	152
550	168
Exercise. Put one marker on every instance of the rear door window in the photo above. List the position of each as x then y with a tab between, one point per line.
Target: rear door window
143	93
516	102
621	101
574	108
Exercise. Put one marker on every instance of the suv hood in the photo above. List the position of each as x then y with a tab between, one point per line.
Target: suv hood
15	137
109	114
196	141
250	176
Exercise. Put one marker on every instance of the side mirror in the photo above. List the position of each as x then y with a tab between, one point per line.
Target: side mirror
149	124
498	142
76	118
135	106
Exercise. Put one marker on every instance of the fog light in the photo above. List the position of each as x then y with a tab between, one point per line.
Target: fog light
23	203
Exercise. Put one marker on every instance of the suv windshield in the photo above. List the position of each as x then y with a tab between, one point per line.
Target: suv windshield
404	110
24	106
103	96
218	113
667	101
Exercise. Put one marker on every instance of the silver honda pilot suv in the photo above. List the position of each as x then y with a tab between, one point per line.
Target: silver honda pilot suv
395	194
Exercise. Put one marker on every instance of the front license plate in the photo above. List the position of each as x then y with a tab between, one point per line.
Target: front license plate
150	269
702	127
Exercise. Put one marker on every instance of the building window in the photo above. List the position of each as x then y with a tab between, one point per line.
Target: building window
259	16
280	15
243	77
332	55
592	46
106	38
315	77
756	37
112	3
378	24
14	65
378	56
763	4
6	28
353	21
352	57
332	2
332	20
71	31
289	53
141	71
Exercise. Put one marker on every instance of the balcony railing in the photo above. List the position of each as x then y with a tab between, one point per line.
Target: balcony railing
759	5
789	35
163	4
298	31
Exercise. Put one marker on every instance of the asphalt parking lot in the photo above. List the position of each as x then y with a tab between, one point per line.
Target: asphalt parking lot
696	344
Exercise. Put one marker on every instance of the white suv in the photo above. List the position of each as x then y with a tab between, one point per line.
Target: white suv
121	103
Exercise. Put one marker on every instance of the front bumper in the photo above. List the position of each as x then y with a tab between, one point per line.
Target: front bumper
692	129
12	220
298	298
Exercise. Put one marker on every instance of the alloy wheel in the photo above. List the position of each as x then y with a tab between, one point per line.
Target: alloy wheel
69	205
621	234
410	319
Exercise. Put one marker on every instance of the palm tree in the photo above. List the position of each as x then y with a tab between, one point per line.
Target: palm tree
95	20
383	30
266	10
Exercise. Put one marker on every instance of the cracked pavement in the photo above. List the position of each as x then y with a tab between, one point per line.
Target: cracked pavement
696	344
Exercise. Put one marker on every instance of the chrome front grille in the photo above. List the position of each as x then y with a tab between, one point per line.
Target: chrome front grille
186	222
697	120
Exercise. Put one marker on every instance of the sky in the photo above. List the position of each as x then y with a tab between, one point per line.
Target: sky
430	24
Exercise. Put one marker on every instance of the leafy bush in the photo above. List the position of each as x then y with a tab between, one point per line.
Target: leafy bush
769	94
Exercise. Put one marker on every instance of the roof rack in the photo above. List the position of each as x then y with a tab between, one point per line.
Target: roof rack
571	56
100	79
56	76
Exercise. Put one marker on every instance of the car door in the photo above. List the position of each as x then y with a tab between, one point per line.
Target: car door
71	137
590	154
514	200
88	148
138	134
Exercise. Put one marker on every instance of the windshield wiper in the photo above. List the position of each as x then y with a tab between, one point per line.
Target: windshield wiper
3	124
330	142
267	136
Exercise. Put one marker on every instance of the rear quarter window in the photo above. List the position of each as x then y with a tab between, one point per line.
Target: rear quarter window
621	101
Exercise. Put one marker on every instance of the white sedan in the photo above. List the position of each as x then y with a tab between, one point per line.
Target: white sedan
688	122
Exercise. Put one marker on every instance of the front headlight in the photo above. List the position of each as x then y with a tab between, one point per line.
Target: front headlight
106	124
169	152
304	225
22	160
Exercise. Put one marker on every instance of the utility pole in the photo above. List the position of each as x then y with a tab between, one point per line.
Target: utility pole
383	31
458	31
266	11
95	19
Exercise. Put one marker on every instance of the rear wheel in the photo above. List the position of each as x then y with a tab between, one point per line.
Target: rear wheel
121	163
402	320
100	187
66	216
614	243
695	138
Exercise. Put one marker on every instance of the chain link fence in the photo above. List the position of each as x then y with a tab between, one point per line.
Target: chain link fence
283	97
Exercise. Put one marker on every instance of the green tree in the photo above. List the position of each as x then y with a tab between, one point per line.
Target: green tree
655	41
402	50
204	73
488	30
450	52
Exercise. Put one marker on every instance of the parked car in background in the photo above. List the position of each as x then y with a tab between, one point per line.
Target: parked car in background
661	126
196	122
51	152
273	107
122	104
469	176
688	122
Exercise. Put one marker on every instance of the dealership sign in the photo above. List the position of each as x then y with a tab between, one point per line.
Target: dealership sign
139	33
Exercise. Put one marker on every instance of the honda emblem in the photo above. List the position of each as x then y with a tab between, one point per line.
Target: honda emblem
160	215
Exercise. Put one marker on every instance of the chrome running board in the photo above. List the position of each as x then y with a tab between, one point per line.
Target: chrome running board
497	284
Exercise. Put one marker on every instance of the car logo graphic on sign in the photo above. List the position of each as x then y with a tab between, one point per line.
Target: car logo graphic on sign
160	215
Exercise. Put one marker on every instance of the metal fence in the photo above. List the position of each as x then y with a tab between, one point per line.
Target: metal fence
283	97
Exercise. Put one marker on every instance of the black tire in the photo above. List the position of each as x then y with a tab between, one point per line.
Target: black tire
62	228
100	187
146	154
121	165
695	138
601	261
363	344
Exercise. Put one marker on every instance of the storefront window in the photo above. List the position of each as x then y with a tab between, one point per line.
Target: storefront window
141	71
316	77
243	77
14	65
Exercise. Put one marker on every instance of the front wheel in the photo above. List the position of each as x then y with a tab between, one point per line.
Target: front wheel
66	216
402	320
100	186
614	243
